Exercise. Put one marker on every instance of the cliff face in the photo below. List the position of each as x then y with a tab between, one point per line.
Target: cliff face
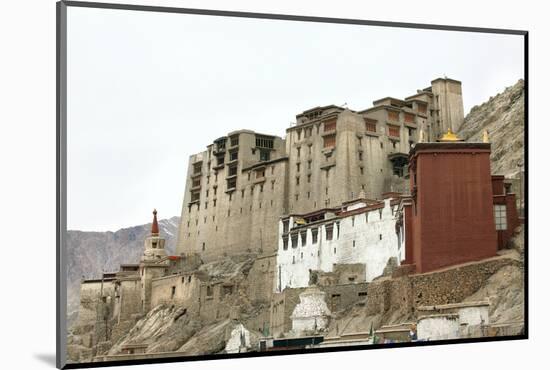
503	117
91	253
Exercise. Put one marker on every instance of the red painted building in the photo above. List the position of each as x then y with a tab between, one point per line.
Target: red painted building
457	211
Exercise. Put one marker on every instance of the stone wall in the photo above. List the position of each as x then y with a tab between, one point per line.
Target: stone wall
400	297
180	289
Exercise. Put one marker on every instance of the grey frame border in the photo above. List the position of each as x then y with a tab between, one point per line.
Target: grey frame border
61	174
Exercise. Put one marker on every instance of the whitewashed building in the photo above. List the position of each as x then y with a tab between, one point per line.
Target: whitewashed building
359	232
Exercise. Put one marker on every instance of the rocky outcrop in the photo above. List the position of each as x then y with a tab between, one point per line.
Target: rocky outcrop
503	117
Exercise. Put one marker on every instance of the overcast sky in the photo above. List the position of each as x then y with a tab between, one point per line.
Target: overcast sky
147	90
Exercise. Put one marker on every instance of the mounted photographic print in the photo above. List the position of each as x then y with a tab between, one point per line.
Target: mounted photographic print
237	184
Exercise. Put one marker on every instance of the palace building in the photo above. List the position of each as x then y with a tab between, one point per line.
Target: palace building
239	187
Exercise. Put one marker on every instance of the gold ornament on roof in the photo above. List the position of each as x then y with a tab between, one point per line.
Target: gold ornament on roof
450	137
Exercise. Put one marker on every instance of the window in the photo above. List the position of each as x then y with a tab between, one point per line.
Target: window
173	292
242	193
308	195
232	170
261	188
209	291
285	242
297	167
393	115
309	164
360	156
329	141
309	178
272	184
203	246
314	233
260	173
422	108
285	226
214	202
299	132
409	118
227	290
264	155
234	155
380	236
298	152
329	125
362	294
303	236
234	140
264	142
197	168
354	244
195	195
353	224
231	183
370	124
361	169
297	180
500	216
219	160
393	131
196	182
294	239
328	229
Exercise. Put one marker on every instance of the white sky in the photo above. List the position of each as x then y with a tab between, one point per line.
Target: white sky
146	90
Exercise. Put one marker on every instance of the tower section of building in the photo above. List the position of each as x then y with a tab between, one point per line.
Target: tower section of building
234	196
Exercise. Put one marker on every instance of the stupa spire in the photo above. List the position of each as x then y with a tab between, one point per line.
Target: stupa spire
155	226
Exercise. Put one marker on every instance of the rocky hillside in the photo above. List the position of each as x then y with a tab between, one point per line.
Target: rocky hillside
503	117
91	253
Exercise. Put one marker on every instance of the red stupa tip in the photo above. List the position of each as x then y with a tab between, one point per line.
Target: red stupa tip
155	226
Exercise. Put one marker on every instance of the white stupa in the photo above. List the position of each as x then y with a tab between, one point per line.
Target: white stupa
312	313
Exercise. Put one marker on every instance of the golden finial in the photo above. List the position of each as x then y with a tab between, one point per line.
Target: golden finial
450	136
485	136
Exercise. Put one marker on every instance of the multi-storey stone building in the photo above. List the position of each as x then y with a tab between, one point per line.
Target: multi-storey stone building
239	187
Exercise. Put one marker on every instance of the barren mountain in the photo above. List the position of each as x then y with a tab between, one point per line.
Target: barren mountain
503	117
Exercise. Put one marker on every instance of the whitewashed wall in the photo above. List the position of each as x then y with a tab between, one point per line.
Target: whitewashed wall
293	264
476	315
438	327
